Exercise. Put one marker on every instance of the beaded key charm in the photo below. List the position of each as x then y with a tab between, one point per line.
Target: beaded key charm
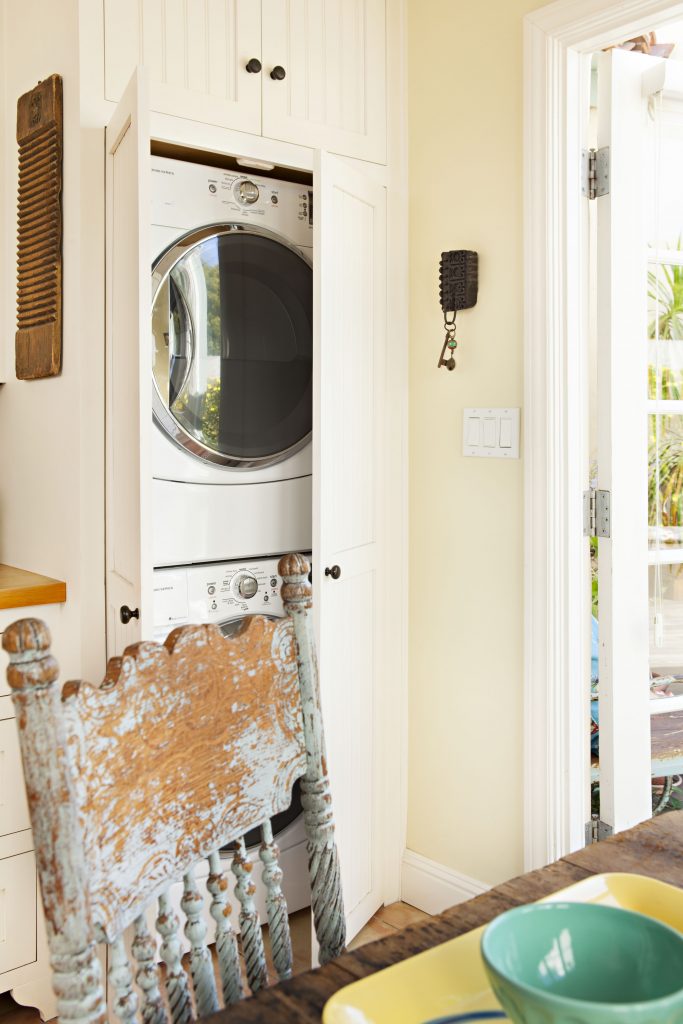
449	346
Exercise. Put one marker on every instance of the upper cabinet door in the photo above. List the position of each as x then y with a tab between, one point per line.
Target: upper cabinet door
128	578
333	93
196	53
350	304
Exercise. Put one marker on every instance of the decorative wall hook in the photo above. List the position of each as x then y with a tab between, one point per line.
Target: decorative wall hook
458	286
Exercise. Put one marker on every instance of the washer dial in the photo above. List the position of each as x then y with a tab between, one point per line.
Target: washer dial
247	192
246	585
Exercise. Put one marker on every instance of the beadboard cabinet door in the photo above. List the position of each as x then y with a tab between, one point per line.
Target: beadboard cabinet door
128	391
333	93
349	512
196	54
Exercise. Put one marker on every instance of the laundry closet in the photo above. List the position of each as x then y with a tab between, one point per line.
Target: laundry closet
254	195
258	417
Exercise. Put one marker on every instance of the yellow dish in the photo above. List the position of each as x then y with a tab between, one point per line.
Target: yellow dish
450	978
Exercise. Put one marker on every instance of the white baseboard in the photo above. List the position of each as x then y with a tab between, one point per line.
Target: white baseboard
432	887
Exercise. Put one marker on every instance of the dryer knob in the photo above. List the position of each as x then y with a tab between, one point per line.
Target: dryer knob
247	192
247	586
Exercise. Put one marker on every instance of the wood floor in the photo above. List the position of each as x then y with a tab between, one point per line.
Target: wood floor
387	921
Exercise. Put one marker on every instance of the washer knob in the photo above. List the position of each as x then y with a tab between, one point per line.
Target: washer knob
247	586
247	192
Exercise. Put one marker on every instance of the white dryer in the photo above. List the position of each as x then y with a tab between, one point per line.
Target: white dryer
225	593
232	298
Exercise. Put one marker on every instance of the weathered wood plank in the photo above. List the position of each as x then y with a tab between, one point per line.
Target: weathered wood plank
38	340
652	848
151	806
667	736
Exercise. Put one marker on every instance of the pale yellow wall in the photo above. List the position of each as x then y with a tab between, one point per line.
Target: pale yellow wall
466	557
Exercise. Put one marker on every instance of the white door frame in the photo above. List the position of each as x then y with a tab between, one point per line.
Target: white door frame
557	39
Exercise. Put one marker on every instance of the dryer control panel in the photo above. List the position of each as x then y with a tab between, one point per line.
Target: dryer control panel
186	196
216	592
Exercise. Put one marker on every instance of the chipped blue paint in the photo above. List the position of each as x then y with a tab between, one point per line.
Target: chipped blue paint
98	873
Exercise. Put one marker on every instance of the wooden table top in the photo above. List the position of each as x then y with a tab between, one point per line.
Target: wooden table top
21	589
653	848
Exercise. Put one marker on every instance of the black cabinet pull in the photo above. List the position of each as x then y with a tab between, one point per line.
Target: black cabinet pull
254	66
334	572
278	73
127	614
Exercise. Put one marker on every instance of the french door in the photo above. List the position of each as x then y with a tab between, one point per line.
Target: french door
349	312
639	431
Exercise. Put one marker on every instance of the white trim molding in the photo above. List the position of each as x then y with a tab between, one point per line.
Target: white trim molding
558	40
432	887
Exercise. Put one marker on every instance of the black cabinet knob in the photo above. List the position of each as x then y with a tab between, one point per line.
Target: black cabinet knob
278	73
334	572
127	614
254	66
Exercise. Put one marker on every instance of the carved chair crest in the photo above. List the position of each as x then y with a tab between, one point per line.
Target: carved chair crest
181	750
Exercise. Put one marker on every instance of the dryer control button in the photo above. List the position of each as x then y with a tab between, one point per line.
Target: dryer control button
247	586
247	192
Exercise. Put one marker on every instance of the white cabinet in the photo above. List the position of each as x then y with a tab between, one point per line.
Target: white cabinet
332	94
14	814
196	55
349	510
18	905
349	513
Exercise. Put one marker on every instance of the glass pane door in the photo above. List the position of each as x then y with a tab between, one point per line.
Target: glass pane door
639	411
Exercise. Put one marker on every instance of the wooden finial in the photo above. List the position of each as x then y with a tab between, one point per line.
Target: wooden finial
296	590
31	665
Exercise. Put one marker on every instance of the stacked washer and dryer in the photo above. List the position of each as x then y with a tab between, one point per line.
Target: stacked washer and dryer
232	306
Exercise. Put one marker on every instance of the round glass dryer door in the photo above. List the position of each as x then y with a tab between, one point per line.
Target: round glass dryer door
233	345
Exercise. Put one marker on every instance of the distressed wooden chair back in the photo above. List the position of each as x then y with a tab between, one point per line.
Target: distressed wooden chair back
181	750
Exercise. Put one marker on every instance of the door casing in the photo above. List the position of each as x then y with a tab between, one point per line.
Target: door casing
558	41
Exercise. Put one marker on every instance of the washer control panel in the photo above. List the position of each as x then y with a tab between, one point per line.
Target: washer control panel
215	592
185	196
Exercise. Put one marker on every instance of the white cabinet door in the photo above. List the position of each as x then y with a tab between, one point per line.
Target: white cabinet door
14	816
333	95
196	53
18	908
128	371
349	352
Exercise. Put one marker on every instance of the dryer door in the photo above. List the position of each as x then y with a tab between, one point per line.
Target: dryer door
233	345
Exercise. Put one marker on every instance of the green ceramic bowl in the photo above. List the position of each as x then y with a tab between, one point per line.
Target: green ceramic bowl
578	963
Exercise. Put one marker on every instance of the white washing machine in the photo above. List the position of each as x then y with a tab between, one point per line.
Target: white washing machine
232	308
225	593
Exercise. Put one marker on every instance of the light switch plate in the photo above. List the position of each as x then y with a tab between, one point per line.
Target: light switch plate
490	433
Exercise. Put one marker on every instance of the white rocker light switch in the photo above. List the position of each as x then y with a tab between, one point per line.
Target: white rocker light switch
491	433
